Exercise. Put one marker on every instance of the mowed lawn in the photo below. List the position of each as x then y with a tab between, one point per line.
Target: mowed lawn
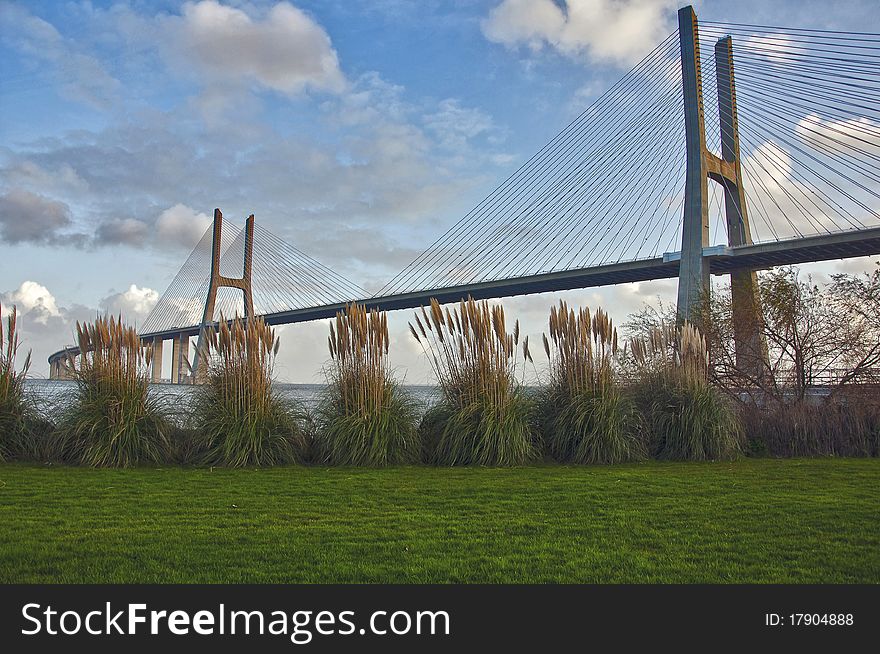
749	521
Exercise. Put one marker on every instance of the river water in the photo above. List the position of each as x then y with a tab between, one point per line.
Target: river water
52	394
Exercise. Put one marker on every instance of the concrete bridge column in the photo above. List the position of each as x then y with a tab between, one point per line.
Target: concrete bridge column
180	366
175	359
156	364
183	366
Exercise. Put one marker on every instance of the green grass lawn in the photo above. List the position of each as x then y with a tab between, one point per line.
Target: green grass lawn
750	521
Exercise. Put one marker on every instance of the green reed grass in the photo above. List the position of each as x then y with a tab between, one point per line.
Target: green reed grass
237	417
364	417
112	420
483	418
687	419
584	415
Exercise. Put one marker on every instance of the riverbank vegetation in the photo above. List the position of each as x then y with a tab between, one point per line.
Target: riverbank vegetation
809	385
483	417
18	421
112	420
237	418
364	417
586	416
686	419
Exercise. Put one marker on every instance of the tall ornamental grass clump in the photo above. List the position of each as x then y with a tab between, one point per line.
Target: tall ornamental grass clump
237	417
364	417
585	416
483	418
112	421
16	412
687	419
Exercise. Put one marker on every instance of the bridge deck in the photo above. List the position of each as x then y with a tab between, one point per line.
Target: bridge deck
722	260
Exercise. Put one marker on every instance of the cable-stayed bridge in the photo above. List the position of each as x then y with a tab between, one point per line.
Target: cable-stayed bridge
729	148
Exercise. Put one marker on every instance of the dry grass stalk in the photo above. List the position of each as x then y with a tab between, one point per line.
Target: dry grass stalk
581	349
10	380
484	417
112	352
237	417
364	417
242	355
687	418
471	352
358	345
14	409
677	351
585	417
113	421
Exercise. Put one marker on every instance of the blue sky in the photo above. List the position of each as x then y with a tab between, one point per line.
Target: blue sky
357	131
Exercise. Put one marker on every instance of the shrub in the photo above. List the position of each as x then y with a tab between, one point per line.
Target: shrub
848	426
483	418
364	417
112	421
686	418
585	417
237	418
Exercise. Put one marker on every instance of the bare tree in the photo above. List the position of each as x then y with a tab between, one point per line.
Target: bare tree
811	335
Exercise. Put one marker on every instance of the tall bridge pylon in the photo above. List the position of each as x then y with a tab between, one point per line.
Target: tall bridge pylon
181	368
726	170
217	281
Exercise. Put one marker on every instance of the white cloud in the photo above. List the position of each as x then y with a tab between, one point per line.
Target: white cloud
181	225
284	50
47	325
34	298
177	227
80	76
133	304
454	124
368	99
617	31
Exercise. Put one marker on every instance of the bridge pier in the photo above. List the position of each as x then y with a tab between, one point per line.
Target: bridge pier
156	361
61	365
180	366
175	359
183	365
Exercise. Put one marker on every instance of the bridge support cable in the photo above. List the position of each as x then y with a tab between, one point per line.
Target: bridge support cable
809	109
551	210
182	302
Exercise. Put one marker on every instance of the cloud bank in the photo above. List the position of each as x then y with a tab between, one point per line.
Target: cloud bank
614	31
